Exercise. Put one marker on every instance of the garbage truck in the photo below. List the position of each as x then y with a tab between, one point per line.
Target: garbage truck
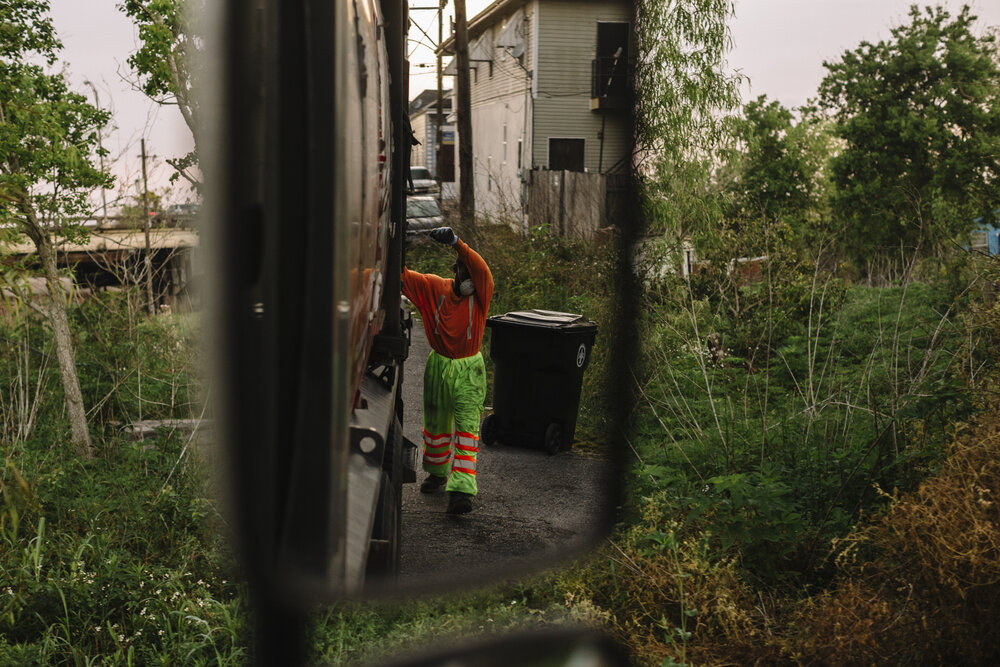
310	336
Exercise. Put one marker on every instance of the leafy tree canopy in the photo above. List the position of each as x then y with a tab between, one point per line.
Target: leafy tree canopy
777	174
48	133
919	116
681	80
48	141
164	65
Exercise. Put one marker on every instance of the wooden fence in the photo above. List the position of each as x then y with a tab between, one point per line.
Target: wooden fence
574	203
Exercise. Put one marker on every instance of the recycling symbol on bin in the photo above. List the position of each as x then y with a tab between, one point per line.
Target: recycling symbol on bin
581	355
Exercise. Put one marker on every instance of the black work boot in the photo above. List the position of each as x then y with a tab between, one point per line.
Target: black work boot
459	502
432	483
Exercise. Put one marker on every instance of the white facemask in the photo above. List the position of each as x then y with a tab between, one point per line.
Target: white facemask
466	287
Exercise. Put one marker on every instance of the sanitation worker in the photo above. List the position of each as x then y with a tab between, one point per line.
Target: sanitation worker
454	315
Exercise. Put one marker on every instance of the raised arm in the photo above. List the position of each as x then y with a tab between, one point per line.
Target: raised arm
482	278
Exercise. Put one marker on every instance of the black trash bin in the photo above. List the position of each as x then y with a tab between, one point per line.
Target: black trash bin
538	357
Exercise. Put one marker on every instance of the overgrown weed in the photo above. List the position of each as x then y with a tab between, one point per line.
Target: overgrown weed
919	583
121	559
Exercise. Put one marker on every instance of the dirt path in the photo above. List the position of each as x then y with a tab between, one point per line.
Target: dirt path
531	507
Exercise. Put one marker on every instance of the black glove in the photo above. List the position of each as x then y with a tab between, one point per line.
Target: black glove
444	235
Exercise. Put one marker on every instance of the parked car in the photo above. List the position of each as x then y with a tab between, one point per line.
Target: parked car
176	215
183	209
422	181
422	215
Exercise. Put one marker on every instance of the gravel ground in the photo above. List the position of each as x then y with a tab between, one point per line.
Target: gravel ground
532	511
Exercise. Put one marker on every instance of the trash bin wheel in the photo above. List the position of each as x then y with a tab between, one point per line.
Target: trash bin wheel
488	430
553	439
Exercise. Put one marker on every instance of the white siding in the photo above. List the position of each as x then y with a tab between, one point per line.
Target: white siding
424	127
498	181
501	100
509	75
419	154
567	44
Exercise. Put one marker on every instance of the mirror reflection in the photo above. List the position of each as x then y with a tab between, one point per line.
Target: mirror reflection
423	308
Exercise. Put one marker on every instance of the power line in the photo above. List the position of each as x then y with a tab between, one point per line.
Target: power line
424	33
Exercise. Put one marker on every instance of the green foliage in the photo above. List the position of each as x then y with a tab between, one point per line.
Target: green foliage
121	558
131	368
919	116
164	64
136	367
774	173
681	201
770	409
25	28
356	633
162	32
110	563
48	134
681	74
777	177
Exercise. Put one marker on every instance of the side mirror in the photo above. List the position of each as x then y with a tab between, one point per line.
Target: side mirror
319	362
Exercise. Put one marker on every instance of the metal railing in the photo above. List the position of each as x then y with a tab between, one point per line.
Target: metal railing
611	78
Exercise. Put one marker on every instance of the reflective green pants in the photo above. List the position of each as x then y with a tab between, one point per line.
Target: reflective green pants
454	391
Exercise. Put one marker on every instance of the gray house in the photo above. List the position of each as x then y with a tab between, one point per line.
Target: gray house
423	123
549	85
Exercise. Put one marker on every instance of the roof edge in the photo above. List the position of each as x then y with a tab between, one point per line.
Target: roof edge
481	21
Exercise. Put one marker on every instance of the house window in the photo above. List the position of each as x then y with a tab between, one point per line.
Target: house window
520	163
505	143
489	174
566	154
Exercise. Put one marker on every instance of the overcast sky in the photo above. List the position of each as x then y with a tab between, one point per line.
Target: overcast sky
97	41
779	44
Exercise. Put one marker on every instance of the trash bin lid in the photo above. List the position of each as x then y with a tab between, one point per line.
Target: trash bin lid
549	319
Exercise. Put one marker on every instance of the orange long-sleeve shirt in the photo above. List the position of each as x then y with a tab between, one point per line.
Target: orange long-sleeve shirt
454	324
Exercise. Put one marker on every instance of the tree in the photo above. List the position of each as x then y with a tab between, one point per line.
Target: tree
164	65
48	139
775	172
776	176
681	82
919	116
682	96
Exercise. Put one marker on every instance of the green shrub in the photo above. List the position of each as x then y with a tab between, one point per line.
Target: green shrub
122	558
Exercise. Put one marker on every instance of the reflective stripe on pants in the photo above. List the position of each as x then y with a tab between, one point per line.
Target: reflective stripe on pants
454	391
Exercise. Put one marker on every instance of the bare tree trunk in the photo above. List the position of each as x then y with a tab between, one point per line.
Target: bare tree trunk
64	349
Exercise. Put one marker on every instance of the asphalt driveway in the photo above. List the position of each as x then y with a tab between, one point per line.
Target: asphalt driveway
532	511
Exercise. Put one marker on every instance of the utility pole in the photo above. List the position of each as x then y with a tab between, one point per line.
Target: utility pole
150	303
100	153
466	191
439	135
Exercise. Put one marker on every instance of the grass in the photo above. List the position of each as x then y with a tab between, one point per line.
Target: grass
122	559
775	444
352	634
